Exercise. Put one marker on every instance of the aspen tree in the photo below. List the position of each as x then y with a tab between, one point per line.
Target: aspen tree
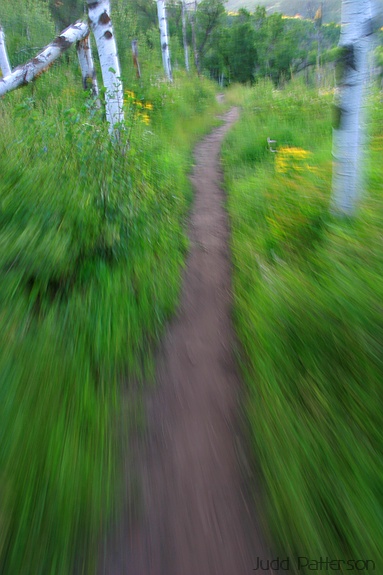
101	24
358	22
163	24
5	66
185	42
194	38
84	53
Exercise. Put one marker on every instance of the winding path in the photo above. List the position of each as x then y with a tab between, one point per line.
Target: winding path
197	516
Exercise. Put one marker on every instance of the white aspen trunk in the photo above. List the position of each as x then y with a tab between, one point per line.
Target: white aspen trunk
99	17
348	141
194	38
186	47
5	66
84	53
161	10
23	75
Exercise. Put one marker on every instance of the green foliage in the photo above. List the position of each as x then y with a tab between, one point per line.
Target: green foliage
246	47
66	12
92	246
242	55
28	27
308	292
145	10
208	17
305	8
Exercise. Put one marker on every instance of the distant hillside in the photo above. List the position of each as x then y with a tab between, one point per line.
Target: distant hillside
306	8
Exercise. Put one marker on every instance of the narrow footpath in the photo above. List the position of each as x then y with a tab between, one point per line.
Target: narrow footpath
197	517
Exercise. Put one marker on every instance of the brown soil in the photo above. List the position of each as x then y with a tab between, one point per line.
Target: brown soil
197	517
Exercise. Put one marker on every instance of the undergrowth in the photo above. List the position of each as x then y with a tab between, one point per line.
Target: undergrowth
92	246
308	311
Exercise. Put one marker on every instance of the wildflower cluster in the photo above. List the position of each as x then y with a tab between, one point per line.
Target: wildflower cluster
139	108
291	159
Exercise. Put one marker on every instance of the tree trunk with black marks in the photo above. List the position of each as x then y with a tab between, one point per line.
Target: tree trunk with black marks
358	23
101	24
5	66
23	75
84	53
163	24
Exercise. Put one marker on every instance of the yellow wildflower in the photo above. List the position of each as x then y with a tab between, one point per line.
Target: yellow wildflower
130	94
288	159
145	118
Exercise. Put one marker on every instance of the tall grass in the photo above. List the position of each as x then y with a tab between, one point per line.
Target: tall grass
92	245
308	295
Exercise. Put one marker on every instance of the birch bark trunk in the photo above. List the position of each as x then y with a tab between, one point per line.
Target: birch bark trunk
186	47
101	24
84	53
5	66
348	140
194	38
23	75
161	10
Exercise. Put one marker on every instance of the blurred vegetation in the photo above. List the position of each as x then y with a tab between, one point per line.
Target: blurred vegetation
308	293
251	46
28	27
305	8
92	246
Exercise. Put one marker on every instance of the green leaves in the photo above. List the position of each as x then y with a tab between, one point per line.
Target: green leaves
27	26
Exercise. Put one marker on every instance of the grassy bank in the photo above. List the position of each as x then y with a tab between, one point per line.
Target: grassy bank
92	246
308	295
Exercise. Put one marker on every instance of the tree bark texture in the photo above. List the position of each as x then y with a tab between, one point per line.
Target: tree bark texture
84	53
194	39
26	73
348	134
101	23
161	10
5	66
185	42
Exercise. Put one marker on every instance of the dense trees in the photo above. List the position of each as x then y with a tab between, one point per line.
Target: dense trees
227	46
240	46
244	46
306	8
249	46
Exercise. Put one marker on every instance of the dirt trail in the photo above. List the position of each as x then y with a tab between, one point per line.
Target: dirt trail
197	517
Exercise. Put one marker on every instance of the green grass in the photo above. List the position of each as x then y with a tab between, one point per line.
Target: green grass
92	247
308	295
